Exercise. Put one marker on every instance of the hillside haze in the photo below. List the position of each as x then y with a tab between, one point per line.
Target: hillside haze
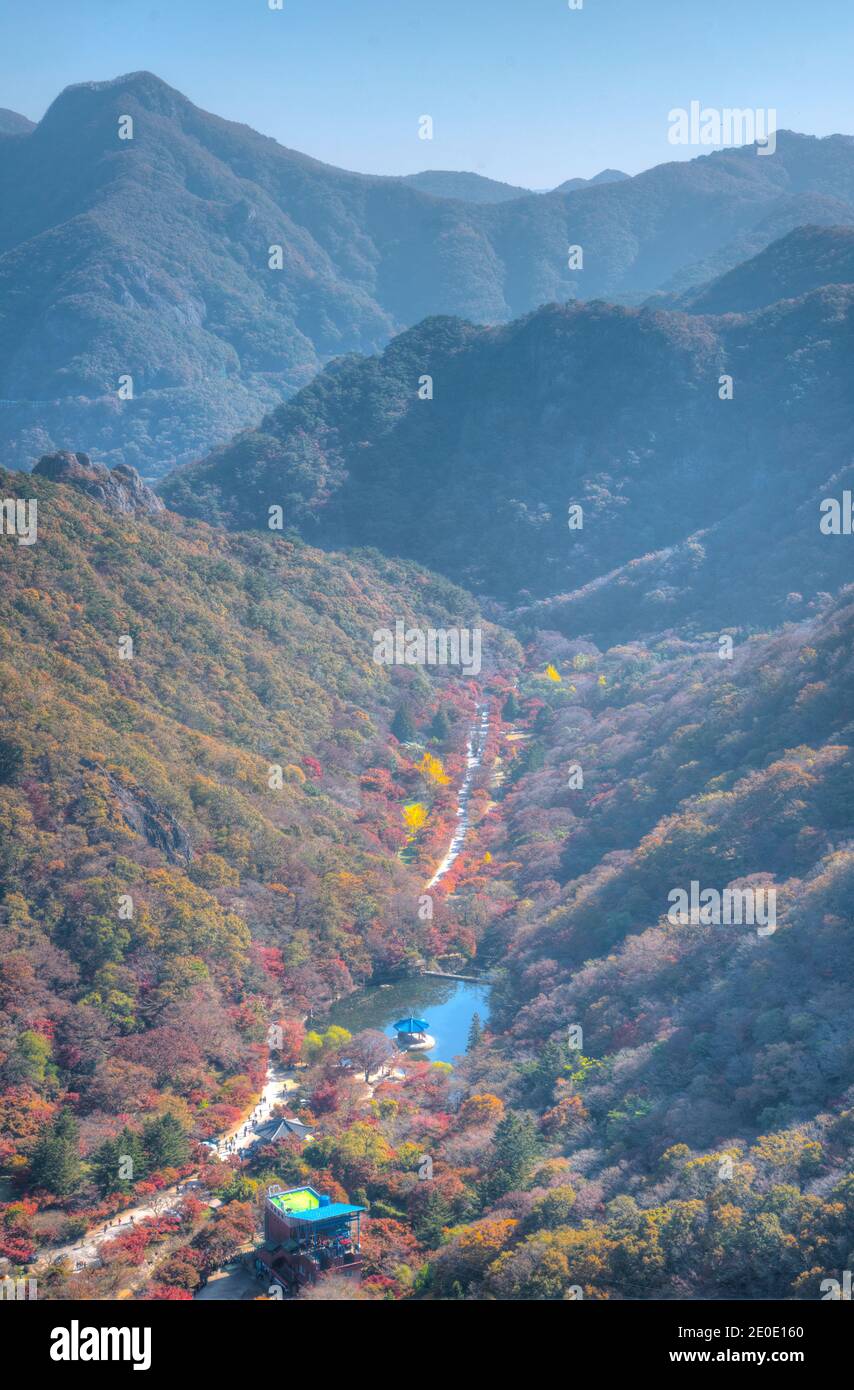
149	258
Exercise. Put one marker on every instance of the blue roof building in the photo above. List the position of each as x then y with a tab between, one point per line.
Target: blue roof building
308	1235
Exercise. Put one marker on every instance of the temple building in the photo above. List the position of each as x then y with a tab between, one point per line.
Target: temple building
307	1235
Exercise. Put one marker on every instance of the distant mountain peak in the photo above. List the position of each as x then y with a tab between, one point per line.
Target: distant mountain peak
170	234
465	186
604	176
141	81
13	123
145	88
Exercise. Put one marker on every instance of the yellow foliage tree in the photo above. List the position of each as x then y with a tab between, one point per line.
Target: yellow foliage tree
414	816
432	767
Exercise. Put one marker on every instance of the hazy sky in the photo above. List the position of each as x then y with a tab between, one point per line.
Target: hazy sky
523	90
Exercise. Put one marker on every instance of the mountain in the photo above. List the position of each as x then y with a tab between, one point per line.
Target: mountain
789	213
12	123
467	188
686	1085
606	176
806	259
694	507
692	1136
140	318
196	720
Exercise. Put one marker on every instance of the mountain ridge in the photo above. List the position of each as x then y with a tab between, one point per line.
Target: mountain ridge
150	258
13	123
612	408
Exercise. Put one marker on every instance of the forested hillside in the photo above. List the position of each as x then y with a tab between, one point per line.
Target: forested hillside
582	456
143	238
805	260
655	1110
616	451
683	1112
201	809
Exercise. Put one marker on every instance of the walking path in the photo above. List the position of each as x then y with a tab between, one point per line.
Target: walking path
85	1251
474	757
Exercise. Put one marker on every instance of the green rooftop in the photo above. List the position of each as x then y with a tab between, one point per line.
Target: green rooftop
297	1199
305	1204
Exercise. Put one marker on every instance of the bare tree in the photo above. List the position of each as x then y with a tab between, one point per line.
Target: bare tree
370	1050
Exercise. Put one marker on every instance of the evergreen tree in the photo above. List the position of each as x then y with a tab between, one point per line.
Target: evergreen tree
11	762
432	1219
475	1033
543	720
512	709
514	1147
119	1163
55	1164
552	1062
439	726
536	758
165	1142
131	1148
104	1167
402	726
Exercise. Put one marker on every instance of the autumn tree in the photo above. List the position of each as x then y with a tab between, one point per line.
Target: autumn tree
370	1049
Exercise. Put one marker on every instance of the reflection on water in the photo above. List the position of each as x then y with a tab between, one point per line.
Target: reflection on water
447	1005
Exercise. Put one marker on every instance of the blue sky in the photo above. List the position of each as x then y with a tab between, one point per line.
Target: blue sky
523	90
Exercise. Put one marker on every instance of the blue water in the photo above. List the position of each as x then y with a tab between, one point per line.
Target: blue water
447	1006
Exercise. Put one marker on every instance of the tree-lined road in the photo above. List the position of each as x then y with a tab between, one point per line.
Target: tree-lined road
84	1252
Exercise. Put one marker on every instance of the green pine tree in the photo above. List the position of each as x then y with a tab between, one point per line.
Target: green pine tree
119	1163
432	1219
512	709
536	757
104	1167
440	726
552	1062
55	1164
11	762
165	1143
543	720
402	726
514	1147
475	1033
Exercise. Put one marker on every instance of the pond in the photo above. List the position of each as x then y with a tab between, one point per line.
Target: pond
447	1006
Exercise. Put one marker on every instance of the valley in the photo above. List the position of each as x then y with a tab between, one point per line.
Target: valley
426	674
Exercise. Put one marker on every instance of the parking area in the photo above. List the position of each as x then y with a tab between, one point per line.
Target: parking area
234	1283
